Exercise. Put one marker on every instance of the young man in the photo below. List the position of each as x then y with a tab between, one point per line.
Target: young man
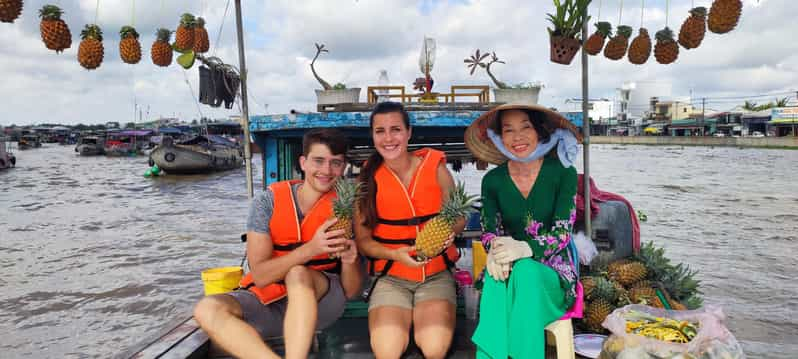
292	289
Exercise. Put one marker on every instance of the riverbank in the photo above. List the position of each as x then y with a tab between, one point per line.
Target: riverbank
752	142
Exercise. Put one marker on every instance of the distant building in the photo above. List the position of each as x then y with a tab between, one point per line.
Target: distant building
784	121
634	101
599	110
110	125
667	111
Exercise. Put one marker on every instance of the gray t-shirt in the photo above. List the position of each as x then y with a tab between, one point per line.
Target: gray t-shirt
262	208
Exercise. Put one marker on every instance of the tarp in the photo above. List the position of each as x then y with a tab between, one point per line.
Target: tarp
133	133
170	130
213	139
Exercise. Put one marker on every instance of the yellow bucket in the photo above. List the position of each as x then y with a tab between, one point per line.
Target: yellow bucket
478	257
221	280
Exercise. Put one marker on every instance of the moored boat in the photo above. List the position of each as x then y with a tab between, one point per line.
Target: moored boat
200	154
90	146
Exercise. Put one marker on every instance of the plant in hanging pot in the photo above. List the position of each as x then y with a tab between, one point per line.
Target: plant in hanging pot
331	95
565	37
524	93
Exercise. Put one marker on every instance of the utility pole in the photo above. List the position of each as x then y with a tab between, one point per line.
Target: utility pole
703	113
244	98
586	133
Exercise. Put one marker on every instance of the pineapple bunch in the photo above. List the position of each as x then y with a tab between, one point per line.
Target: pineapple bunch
693	28
616	48
161	51
90	52
429	242
640	49
129	46
55	32
10	10
724	15
648	278
347	192
666	51
184	37
595	42
201	42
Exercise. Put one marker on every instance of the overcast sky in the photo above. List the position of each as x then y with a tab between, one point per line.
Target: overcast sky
365	36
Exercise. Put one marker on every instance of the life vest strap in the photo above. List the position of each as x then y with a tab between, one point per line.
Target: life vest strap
414	221
287	247
408	241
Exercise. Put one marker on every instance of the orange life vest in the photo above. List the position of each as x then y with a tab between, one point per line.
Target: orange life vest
402	213
287	234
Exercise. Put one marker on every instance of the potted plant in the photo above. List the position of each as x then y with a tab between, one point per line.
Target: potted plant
565	38
331	95
523	93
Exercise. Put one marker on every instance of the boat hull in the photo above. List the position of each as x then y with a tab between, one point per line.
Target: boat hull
177	159
89	150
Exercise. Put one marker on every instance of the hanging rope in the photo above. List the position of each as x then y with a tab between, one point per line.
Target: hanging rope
642	8
599	12
620	13
191	91
160	20
667	10
133	14
221	26
96	11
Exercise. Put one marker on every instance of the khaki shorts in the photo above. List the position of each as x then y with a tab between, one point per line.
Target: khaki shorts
268	319
392	291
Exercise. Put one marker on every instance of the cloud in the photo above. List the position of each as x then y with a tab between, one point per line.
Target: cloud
365	37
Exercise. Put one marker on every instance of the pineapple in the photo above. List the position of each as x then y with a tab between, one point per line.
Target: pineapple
347	191
616	48
596	312
184	37
588	286
429	242
640	49
667	50
724	15
55	32
600	262
129	47
615	266
629	273
10	10
90	52
693	29
643	295
201	43
161	52
595	42
604	290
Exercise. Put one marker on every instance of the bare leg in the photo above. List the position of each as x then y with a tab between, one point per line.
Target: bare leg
389	329
220	317
305	287
434	327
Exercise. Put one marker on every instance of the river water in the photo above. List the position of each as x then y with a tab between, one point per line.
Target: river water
95	257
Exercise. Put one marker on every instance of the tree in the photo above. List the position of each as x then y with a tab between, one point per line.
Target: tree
782	102
749	106
194	121
130	125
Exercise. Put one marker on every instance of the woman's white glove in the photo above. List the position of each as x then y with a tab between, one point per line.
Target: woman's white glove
499	272
507	250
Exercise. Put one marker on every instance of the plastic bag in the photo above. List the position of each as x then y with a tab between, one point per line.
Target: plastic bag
712	341
585	247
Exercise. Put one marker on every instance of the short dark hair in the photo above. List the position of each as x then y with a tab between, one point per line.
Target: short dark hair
538	120
332	138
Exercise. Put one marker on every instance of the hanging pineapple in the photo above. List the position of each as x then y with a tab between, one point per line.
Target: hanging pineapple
667	50
55	32
595	42
161	51
616	48
90	52
693	28
184	37
129	47
429	242
724	15
10	10
346	191
201	42
640	49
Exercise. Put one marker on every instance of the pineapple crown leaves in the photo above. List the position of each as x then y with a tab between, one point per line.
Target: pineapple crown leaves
128	31
163	34
625	31
91	31
200	22
699	11
458	204
665	35
50	12
604	28
643	31
188	20
347	191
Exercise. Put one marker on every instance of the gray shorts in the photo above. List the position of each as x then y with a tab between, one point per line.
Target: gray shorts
268	319
397	292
